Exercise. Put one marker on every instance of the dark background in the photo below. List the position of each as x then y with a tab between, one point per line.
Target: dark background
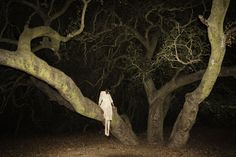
26	110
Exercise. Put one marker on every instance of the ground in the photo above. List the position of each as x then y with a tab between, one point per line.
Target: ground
203	143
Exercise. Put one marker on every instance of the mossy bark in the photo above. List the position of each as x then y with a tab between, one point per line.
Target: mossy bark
188	114
23	59
163	98
120	127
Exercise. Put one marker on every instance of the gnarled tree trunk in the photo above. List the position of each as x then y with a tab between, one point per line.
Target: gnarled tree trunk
23	59
162	98
127	137
67	89
154	131
155	122
187	116
157	112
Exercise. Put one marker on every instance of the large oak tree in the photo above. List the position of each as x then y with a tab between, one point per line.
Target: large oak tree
24	59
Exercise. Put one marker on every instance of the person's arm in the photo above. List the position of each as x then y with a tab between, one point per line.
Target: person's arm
112	103
100	99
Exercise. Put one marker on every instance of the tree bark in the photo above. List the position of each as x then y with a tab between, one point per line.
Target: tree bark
62	88
67	89
155	122
155	115
185	121
188	114
120	128
161	98
157	112
23	59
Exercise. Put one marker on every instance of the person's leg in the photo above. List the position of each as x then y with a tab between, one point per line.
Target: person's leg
108	127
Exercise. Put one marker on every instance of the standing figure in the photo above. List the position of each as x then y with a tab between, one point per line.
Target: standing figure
106	104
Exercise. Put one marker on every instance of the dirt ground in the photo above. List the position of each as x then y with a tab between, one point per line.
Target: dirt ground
203	143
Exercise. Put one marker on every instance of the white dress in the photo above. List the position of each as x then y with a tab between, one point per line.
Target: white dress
105	102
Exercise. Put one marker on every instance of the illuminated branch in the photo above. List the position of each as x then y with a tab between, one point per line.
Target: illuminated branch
25	60
56	38
186	79
203	20
77	32
46	31
51	93
184	45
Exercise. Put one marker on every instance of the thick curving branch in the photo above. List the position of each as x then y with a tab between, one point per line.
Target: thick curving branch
188	114
38	68
42	31
163	95
51	93
65	86
46	31
25	60
184	80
